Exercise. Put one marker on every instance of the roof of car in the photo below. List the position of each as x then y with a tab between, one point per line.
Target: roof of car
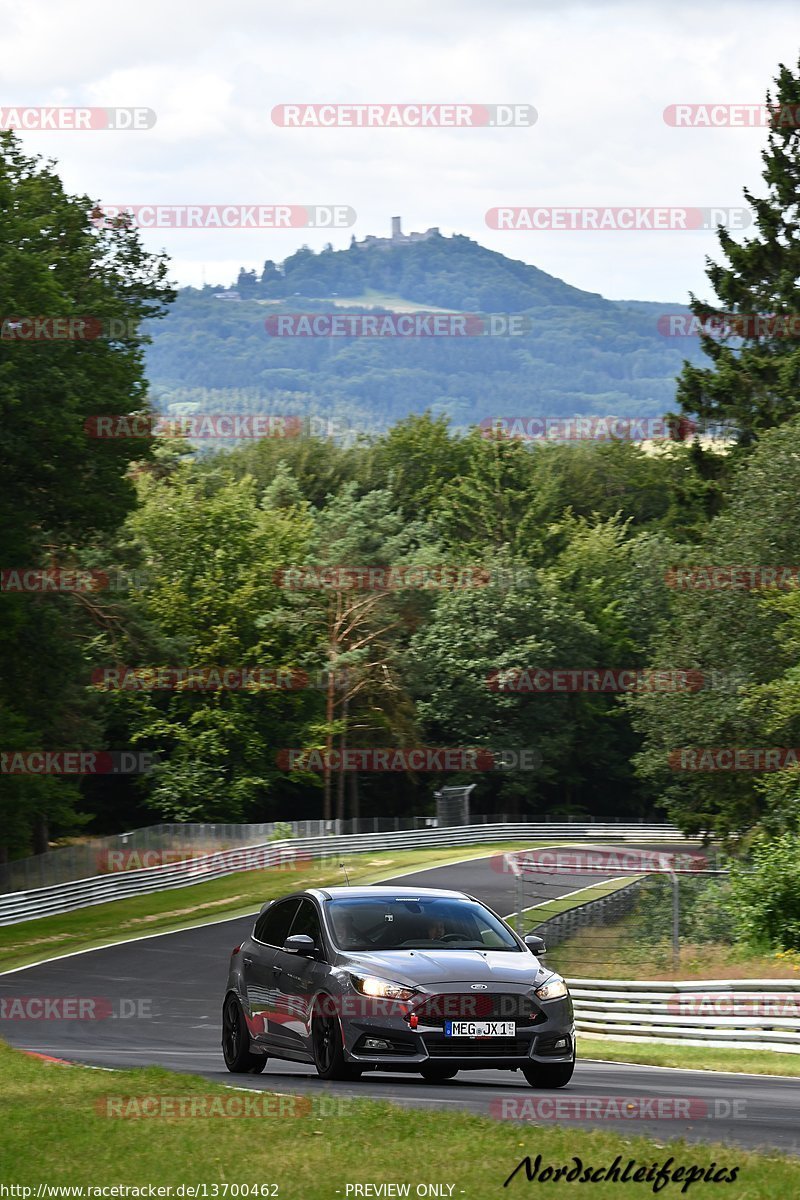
377	893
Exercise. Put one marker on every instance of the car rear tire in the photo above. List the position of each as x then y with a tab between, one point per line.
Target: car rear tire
236	1051
549	1075
328	1046
436	1073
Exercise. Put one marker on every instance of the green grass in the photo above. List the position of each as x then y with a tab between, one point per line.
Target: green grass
370	298
750	1062
53	1129
234	895
551	908
618	951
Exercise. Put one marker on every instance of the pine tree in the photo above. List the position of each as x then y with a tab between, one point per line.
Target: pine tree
754	382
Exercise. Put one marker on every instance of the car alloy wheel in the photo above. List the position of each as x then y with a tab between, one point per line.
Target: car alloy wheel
326	1044
236	1041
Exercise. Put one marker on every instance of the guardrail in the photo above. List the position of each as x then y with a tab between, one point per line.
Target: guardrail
751	1014
592	912
27	905
188	839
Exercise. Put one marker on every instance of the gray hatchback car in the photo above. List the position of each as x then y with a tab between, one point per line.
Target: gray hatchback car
357	979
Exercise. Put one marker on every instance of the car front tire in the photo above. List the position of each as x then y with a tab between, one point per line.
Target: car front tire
327	1044
236	1051
434	1073
549	1075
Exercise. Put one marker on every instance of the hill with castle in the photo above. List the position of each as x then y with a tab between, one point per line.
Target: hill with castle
570	352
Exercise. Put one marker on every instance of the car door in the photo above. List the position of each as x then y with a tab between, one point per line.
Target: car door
299	978
261	980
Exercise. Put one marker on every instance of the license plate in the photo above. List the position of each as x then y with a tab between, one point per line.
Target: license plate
480	1029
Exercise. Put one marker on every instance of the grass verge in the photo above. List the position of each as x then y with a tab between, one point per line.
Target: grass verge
233	895
54	1130
619	952
691	1058
551	908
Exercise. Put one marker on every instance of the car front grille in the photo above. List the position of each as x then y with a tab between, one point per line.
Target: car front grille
480	1048
478	1006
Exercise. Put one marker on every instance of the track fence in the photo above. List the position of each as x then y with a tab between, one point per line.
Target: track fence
123	880
619	910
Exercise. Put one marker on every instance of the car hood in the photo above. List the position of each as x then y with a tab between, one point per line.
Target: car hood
415	967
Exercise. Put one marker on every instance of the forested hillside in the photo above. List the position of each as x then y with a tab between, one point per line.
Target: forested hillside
577	353
613	630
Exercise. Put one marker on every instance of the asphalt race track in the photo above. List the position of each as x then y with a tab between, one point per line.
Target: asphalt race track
163	996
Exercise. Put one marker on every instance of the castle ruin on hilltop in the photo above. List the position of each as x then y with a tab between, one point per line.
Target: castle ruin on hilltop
399	238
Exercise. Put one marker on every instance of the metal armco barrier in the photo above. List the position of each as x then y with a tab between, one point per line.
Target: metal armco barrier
100	889
752	1014
605	908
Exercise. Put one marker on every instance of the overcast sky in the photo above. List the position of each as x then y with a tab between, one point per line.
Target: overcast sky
599	74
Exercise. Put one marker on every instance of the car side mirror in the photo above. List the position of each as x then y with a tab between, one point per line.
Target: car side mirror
535	944
300	943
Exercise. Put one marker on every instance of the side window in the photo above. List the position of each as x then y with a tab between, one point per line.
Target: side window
273	926
307	921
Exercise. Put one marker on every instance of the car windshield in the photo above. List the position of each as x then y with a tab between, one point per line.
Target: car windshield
364	923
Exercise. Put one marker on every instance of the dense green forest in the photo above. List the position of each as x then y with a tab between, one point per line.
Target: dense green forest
501	558
575	352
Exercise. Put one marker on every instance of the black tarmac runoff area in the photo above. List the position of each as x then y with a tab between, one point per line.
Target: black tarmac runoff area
160	1000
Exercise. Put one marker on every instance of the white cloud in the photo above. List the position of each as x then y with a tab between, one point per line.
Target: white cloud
600	77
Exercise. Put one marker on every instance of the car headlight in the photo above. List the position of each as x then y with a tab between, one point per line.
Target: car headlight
552	991
383	989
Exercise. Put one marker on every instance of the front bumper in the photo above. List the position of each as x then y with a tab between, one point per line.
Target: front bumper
545	1032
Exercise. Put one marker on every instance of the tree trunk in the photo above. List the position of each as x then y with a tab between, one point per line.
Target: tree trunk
354	800
329	702
340	782
41	835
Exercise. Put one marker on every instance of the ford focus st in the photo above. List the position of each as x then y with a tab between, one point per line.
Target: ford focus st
356	979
